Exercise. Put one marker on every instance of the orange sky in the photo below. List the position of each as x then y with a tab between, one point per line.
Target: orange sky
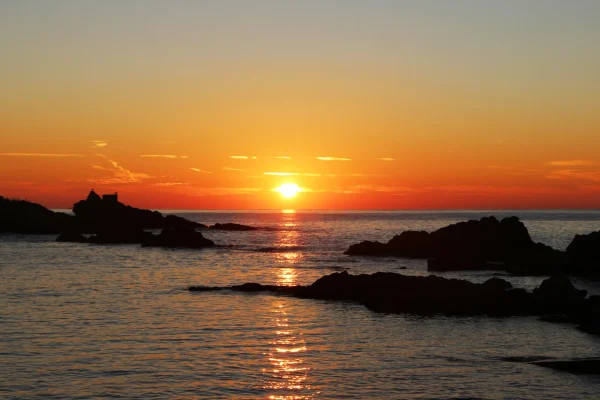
379	107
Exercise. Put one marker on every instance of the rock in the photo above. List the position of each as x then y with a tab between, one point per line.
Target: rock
70	236
427	295
232	227
472	245
97	214
188	238
175	222
414	244
583	254
443	265
369	248
557	294
576	366
204	288
20	216
120	236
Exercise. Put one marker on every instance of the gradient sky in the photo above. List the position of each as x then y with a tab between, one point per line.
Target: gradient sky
408	104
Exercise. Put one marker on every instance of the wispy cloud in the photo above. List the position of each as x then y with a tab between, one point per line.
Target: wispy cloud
281	173
120	175
239	157
386	159
201	171
334	159
572	163
98	144
233	169
575	174
313	175
51	155
162	156
283	157
169	184
190	190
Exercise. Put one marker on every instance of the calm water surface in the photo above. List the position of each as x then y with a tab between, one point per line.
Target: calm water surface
87	321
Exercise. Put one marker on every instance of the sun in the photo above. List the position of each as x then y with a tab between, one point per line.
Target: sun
288	190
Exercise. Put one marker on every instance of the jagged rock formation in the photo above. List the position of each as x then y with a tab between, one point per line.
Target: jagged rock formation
427	295
471	245
180	237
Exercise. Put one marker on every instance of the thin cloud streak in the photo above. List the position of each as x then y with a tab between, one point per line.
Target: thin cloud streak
281	173
575	174
171	156
334	159
201	171
98	144
572	163
283	157
50	155
121	175
233	169
386	159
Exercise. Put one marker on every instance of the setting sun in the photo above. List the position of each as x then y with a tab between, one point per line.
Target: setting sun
288	190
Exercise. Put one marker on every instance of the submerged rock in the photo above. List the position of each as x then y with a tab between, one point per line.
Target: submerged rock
188	238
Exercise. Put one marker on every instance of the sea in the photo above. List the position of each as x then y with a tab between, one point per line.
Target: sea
82	321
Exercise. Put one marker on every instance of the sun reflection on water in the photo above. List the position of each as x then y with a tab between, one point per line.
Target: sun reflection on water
287	373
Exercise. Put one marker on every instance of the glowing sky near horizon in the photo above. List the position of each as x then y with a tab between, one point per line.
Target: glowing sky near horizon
378	104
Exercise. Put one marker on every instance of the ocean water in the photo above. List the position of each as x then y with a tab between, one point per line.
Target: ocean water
90	321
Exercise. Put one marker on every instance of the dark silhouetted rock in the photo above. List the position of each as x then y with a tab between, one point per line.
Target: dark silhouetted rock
583	254
187	238
96	214
232	227
427	295
443	265
69	236
557	294
369	248
576	366
472	245
120	236
20	216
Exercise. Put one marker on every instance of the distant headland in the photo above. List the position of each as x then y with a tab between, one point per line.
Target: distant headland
108	221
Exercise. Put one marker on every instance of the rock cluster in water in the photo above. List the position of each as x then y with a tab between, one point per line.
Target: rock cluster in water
107	221
489	244
555	299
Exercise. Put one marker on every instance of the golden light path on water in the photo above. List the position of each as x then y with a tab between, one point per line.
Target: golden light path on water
288	374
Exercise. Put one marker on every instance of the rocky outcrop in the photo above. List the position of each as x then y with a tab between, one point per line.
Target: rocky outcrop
575	366
232	227
70	236
120	236
583	254
20	216
187	238
427	295
472	245
95	214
